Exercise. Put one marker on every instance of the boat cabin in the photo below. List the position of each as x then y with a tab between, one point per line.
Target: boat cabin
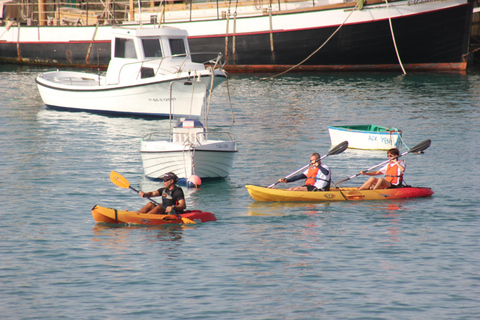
141	53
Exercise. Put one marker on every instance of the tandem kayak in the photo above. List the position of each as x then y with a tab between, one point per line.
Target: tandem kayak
339	194
109	215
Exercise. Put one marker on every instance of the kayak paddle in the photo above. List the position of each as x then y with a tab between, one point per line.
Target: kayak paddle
339	148
418	148
122	182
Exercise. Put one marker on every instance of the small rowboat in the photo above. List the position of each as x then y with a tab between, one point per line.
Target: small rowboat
339	194
109	215
368	137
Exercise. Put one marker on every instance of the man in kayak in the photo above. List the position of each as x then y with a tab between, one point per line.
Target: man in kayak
393	172
318	176
173	198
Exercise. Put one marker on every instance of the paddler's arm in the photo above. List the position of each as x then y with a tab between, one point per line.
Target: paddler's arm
402	168
299	176
180	206
323	170
371	173
149	194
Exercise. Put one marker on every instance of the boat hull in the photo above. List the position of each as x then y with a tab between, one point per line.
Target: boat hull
213	160
366	137
149	98
363	43
108	215
429	35
341	194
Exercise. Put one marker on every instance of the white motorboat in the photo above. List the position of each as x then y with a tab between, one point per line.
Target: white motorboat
368	137
188	149
150	73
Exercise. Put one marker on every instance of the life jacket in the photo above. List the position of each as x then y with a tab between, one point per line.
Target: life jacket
394	175
167	197
312	176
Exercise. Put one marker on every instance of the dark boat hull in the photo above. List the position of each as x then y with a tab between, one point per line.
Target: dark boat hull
364	46
430	38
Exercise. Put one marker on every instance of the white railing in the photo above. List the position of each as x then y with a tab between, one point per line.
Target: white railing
207	136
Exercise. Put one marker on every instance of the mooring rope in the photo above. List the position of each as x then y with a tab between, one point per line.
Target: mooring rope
391	130
191	152
228	93
393	38
339	27
318	49
403	142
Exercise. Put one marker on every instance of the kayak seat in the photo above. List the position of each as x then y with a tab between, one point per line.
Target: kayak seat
169	217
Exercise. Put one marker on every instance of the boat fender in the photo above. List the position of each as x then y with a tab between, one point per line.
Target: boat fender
194	181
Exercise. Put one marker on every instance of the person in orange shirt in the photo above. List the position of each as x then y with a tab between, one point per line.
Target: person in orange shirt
393	172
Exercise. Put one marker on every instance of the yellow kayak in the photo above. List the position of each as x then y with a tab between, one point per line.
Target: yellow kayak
339	194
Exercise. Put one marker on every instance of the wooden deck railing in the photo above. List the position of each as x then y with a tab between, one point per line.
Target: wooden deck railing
91	12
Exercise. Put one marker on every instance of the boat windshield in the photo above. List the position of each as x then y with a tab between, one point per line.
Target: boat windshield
177	46
125	48
151	48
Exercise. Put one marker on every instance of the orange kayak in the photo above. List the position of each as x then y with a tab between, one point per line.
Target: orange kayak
109	215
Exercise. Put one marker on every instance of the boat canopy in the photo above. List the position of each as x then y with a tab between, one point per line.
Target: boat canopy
144	53
148	43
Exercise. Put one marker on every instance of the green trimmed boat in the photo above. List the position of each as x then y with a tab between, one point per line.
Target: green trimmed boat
369	137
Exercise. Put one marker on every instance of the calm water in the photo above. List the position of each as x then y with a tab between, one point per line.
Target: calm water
412	259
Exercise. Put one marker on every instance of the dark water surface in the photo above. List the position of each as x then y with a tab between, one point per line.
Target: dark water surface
410	259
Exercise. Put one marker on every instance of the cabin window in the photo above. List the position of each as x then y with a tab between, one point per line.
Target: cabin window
125	48
177	46
151	48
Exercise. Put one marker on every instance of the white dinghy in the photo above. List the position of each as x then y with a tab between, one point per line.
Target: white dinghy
367	137
189	149
150	70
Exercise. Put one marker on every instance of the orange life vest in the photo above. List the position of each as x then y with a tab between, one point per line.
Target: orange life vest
394	175
311	176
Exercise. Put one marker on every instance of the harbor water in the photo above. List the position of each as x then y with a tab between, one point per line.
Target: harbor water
400	259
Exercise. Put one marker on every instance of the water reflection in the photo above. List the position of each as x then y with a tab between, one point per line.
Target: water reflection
258	208
114	235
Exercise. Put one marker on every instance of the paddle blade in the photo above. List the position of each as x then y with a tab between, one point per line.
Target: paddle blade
339	148
119	180
421	146
188	221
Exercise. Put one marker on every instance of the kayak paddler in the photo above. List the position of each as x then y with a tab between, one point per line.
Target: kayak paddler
318	176
393	172
173	199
